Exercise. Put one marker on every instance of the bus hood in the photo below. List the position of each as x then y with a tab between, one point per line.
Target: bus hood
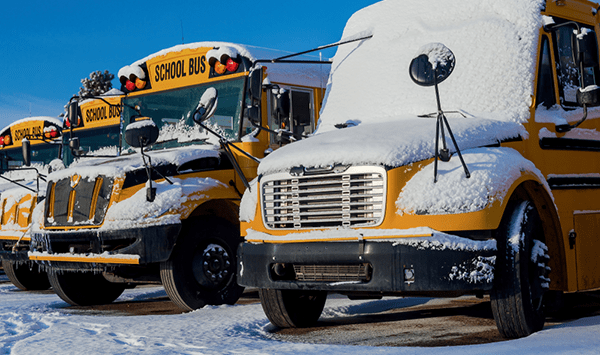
90	168
388	143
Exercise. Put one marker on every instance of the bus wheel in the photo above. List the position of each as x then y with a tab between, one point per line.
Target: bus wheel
202	266
292	308
26	276
521	272
84	288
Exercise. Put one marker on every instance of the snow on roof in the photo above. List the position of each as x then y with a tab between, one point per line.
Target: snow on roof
494	43
53	120
111	92
297	74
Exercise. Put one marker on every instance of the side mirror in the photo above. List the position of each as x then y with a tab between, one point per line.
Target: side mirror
585	43
281	107
255	79
26	151
207	105
433	64
74	113
141	133
253	113
74	143
589	96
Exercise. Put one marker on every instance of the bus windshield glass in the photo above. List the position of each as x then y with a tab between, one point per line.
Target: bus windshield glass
173	111
93	141
42	154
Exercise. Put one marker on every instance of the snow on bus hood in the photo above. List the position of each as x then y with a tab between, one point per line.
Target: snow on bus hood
90	168
389	143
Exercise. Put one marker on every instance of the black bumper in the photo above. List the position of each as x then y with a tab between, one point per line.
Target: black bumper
152	244
390	267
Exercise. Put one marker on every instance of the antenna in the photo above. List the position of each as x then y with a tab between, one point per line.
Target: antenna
181	22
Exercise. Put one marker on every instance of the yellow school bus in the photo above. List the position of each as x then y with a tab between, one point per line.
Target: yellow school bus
44	135
499	195
98	128
166	210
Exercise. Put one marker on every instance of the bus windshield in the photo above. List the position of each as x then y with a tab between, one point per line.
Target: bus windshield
93	141
172	112
42	154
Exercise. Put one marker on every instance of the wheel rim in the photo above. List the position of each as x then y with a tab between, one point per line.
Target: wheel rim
211	266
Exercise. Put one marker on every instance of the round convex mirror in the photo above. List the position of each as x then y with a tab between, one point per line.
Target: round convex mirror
207	105
433	63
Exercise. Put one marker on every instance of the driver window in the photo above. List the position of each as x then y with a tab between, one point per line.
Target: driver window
545	82
567	69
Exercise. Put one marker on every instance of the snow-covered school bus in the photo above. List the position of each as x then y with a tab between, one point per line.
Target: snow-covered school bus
98	132
166	211
466	162
19	188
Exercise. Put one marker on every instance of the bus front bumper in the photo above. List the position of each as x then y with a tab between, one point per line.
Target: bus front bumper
364	266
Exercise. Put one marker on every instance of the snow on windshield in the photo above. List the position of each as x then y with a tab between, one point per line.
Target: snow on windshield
494	44
371	94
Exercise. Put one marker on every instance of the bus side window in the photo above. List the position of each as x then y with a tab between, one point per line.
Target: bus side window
545	82
568	71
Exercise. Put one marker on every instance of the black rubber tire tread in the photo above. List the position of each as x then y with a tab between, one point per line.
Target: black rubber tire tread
511	298
84	288
292	308
26	277
177	273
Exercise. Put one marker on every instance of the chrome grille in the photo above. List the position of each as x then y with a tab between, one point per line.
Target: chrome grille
354	198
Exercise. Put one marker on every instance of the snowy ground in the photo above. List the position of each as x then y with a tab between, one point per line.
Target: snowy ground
40	323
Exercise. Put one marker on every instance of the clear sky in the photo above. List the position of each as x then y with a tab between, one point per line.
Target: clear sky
47	47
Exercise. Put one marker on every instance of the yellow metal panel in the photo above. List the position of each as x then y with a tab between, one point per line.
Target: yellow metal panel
86	259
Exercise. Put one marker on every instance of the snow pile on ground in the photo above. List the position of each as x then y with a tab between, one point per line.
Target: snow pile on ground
38	323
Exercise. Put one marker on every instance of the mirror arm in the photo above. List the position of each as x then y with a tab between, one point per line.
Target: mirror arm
151	192
23	186
295	135
225	145
567	127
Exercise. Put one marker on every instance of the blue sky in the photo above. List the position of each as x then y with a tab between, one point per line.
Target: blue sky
47	47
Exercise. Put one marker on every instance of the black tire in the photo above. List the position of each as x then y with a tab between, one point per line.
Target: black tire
520	279
27	277
202	266
84	288
292	308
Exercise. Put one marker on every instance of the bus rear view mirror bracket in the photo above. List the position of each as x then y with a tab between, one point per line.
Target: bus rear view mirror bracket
433	64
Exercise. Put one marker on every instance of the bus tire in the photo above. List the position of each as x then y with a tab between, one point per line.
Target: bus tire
521	272
292	308
84	288
27	277
202	266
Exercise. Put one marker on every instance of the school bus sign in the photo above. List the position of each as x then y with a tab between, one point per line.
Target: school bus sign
187	67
